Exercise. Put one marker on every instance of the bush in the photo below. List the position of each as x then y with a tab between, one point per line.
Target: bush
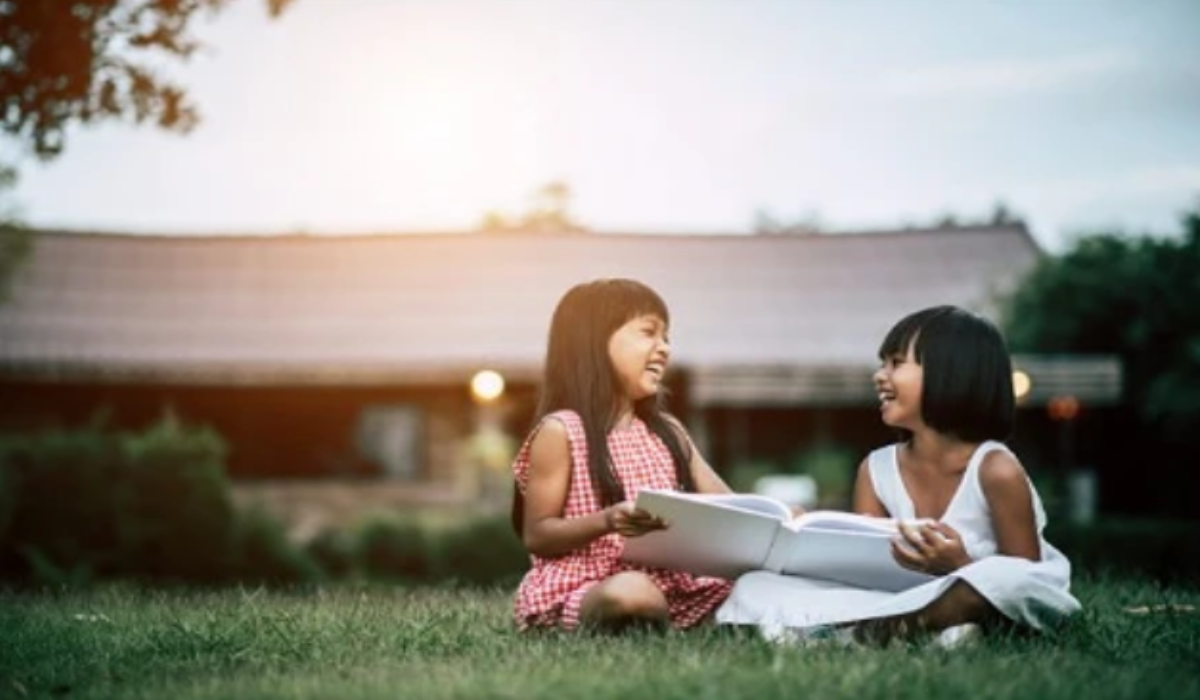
481	552
334	552
87	503
263	553
90	502
79	473
832	467
1166	550
392	548
176	514
744	475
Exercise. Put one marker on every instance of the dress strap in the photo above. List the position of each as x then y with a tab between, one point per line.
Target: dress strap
884	469
985	448
970	492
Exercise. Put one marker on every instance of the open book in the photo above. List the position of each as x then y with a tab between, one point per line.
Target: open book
727	535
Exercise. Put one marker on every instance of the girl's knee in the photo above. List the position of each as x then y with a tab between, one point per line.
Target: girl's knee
627	596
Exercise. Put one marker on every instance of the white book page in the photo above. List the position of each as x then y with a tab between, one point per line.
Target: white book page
724	536
857	558
845	522
838	521
752	502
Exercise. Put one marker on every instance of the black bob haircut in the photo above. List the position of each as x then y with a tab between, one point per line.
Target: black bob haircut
968	390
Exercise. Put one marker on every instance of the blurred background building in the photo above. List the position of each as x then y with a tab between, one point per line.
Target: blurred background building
354	356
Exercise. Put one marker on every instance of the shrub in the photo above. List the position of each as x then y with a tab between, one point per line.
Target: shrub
744	475
393	548
483	551
176	515
263	553
334	551
1167	550
62	505
90	502
832	467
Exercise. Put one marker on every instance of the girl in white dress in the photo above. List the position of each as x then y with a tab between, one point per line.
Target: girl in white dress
946	385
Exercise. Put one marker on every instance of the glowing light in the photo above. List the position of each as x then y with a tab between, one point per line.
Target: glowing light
1063	408
487	385
1021	384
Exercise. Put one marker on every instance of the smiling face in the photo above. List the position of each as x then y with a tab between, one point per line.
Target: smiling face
639	352
899	383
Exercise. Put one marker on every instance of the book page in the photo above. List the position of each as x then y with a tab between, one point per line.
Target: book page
858	558
753	502
850	522
707	535
838	520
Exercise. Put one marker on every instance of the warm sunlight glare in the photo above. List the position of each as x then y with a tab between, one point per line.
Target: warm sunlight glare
487	385
1021	384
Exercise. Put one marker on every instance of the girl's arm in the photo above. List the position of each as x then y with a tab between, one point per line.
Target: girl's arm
866	502
545	532
705	477
1010	500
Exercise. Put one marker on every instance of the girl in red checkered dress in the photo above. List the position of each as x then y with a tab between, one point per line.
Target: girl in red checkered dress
602	436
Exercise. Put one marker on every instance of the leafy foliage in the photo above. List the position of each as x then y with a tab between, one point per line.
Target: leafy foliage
549	211
1133	296
16	245
175	510
64	62
91	502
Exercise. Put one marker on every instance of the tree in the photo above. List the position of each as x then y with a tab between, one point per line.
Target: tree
1135	297
548	212
15	241
765	224
65	62
1000	215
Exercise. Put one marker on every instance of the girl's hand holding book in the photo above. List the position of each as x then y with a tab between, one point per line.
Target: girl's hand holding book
628	521
932	548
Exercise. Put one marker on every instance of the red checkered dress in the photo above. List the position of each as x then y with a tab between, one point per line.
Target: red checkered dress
552	590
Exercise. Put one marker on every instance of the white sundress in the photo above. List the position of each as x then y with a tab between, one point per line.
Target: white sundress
1036	594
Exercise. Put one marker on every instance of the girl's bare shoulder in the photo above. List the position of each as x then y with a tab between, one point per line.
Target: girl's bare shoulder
1001	470
551	442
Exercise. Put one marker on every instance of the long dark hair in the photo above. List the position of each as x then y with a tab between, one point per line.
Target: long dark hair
578	376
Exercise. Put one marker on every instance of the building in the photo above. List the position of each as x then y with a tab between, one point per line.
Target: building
340	355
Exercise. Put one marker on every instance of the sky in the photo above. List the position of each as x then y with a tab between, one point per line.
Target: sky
662	116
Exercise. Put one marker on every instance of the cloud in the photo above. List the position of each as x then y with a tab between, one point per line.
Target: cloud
1005	76
1139	198
1164	179
1167	179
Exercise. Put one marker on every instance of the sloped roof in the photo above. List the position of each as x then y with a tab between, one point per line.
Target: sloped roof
331	309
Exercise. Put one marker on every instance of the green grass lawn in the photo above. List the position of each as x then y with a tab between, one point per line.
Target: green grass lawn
378	642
